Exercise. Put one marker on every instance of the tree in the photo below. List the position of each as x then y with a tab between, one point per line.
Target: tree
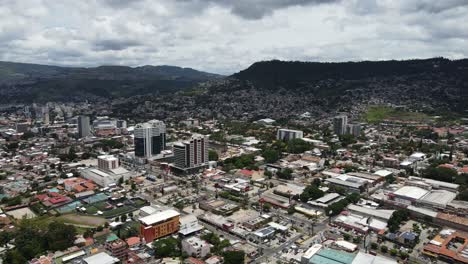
266	207
218	244
213	155
123	218
390	179
14	201
270	155
234	257
374	245
5	237
60	236
285	174
463	195
384	249
403	254
347	139
317	182
298	145
440	174
396	219
166	247
311	192
346	236
14	257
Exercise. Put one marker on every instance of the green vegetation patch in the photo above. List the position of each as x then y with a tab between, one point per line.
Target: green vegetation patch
84	220
377	114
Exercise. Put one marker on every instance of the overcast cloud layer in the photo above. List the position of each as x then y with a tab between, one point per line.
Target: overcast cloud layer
225	36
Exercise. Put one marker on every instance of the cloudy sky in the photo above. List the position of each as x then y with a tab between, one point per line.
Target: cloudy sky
225	36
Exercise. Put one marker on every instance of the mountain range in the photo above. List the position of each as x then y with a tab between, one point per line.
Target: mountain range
22	82
435	84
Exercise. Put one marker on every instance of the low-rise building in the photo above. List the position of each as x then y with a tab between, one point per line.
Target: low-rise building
195	247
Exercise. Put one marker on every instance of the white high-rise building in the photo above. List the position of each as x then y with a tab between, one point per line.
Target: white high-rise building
353	129
191	153
45	112
150	138
108	162
84	129
288	134
339	124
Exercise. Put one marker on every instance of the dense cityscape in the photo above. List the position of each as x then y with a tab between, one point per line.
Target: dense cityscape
81	187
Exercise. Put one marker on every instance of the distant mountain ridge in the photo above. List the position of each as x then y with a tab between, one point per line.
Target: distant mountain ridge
283	71
289	88
267	88
25	82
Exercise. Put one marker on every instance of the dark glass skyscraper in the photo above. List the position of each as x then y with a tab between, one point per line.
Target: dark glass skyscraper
150	138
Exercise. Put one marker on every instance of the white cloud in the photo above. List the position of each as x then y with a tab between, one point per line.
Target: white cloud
227	36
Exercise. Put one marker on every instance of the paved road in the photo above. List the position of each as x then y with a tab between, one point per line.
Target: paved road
269	252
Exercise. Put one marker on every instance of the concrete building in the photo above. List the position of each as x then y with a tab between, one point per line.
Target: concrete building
117	248
104	126
318	254
192	153
121	123
353	129
349	183
150	139
105	178
83	127
108	162
339	124
189	224
101	258
23	127
195	247
288	134
46	116
159	225
190	122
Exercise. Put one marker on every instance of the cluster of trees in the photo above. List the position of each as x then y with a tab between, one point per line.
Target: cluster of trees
11	201
218	244
397	218
243	161
167	247
347	139
298	145
34	237
233	257
440	174
337	207
108	144
311	192
285	174
271	155
393	251
213	155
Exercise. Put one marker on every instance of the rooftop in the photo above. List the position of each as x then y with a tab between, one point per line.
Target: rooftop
411	192
159	217
439	197
101	258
